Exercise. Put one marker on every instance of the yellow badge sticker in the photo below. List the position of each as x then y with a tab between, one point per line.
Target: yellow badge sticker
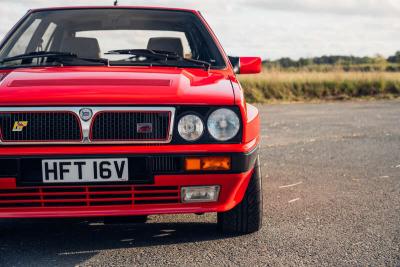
19	126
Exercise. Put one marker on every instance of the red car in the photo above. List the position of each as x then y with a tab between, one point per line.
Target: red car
124	112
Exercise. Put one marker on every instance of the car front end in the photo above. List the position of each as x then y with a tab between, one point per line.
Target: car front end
91	137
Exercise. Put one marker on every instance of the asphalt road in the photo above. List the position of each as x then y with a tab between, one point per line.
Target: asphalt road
332	197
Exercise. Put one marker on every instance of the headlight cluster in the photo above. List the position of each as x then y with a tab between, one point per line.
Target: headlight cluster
222	125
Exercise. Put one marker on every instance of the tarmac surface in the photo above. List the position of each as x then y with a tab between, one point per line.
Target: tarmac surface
332	198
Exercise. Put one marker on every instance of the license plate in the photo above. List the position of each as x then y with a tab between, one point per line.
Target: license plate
85	170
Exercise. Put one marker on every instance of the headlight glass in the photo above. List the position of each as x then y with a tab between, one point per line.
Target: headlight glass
223	124
190	127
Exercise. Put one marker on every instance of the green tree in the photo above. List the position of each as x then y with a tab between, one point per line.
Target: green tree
395	58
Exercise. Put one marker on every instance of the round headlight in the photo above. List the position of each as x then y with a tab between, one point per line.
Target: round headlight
190	127
223	124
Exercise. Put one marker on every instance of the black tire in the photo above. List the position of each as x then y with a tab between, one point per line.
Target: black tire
247	216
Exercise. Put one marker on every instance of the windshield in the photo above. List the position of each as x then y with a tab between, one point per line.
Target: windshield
97	33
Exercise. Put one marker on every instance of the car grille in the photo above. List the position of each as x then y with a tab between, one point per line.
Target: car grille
131	126
39	126
88	196
79	125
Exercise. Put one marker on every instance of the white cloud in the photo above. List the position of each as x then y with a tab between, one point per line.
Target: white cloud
273	28
375	8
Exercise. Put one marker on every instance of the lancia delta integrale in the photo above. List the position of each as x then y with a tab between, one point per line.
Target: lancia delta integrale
125	112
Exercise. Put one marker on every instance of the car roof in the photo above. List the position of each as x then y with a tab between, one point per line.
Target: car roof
115	7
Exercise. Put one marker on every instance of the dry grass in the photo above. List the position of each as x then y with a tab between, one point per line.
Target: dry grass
322	76
336	85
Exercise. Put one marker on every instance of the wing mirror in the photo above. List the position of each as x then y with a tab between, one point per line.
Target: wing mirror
246	65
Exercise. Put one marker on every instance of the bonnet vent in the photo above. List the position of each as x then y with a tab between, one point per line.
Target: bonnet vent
90	82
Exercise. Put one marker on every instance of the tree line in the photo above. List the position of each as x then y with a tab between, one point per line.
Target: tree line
346	62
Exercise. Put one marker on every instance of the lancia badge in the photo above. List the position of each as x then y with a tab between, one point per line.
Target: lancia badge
85	114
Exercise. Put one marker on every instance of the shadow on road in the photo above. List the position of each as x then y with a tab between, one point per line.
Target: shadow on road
70	242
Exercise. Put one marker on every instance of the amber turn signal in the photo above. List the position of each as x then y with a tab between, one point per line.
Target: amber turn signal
217	163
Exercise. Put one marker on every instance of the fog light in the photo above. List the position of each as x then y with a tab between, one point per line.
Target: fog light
200	193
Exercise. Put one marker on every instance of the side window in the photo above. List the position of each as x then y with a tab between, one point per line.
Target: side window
22	44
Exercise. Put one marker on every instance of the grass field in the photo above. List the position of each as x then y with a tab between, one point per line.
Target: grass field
273	86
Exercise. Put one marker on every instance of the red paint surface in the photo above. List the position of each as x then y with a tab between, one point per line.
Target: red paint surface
79	86
124	149
7	183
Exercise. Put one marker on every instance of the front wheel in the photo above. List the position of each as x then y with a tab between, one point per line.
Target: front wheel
247	216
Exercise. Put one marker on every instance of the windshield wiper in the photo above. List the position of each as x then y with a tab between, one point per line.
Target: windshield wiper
140	53
41	54
158	55
56	56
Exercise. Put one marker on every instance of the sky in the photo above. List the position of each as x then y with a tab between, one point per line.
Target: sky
272	28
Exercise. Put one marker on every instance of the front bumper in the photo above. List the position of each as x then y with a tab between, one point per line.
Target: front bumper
160	194
233	187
